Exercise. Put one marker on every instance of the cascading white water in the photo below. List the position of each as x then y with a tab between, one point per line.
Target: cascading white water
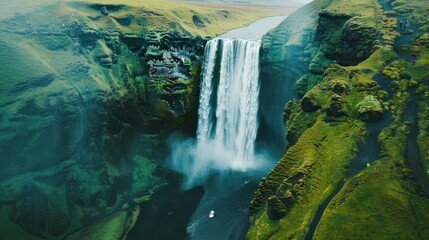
234	124
223	157
228	112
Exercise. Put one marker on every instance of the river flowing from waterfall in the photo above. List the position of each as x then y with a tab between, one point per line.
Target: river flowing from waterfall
223	158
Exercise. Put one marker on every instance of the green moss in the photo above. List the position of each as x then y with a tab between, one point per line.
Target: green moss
159	16
154	51
369	109
423	135
339	98
380	206
386	185
307	168
296	121
276	208
307	82
319	64
144	175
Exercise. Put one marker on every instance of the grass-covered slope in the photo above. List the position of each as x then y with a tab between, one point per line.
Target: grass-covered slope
89	92
68	63
362	76
197	19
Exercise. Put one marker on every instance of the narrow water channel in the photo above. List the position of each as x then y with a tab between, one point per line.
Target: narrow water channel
413	155
370	149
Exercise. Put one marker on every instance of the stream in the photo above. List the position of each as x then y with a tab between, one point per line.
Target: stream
370	149
368	153
410	114
413	155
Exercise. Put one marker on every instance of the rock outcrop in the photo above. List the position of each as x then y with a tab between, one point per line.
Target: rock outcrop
369	109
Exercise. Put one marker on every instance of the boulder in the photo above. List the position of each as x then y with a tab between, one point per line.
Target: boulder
335	108
339	87
369	109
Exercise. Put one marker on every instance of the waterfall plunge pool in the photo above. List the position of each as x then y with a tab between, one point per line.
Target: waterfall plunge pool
222	160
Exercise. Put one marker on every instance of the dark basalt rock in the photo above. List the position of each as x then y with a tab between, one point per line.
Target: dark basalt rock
125	21
339	87
335	108
347	41
357	42
328	23
308	104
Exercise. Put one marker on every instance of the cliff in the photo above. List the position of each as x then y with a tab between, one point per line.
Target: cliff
89	93
355	166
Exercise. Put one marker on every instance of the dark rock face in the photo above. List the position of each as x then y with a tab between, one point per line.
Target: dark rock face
335	108
308	104
39	214
328	23
357	43
197	21
282	64
88	37
339	88
347	41
83	119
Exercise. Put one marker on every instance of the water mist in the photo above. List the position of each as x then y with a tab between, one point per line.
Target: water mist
227	116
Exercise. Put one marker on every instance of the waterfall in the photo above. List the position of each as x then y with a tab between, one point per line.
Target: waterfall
232	123
227	114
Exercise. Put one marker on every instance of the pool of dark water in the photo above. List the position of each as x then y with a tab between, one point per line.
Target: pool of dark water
178	214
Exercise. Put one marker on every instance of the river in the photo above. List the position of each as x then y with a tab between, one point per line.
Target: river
221	166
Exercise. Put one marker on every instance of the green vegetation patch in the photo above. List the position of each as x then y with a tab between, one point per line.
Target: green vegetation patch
383	200
196	19
375	205
309	171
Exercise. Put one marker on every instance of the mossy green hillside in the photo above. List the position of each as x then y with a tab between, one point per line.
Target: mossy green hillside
374	205
197	19
422	90
296	172
305	173
387	184
344	86
77	88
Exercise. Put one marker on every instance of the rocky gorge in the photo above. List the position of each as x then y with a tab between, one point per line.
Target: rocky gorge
90	93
